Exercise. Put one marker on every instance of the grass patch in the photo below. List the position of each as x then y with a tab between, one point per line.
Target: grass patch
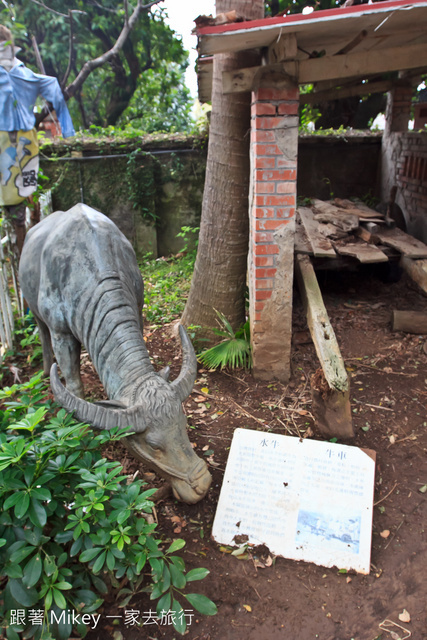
166	287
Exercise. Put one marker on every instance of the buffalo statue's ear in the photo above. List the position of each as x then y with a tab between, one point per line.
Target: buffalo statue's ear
164	373
110	404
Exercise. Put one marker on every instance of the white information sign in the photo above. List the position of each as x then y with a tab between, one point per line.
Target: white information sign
304	499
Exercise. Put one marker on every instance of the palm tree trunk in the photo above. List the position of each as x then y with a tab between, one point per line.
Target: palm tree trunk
219	277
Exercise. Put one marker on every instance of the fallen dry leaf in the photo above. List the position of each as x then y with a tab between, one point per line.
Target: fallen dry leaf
179	522
404	616
203	409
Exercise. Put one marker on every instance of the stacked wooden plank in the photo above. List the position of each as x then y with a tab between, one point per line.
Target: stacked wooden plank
346	228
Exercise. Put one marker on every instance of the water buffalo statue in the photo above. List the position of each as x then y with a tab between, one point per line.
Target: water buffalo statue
81	280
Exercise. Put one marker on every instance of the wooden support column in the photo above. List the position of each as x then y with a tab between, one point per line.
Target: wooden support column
274	144
330	387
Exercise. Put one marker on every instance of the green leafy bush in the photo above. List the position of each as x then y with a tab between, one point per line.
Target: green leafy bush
233	351
27	334
71	526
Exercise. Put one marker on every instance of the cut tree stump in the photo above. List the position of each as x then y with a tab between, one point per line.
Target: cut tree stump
329	385
410	321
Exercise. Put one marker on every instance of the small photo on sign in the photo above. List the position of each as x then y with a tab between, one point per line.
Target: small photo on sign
304	499
329	530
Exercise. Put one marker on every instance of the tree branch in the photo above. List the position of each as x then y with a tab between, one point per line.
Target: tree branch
91	65
71	51
58	13
93	3
39	60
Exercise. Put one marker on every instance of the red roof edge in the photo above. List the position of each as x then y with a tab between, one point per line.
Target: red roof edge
385	5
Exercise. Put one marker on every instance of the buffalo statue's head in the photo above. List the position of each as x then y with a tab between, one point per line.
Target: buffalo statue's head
158	424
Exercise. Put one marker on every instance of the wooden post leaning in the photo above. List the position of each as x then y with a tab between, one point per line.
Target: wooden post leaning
330	386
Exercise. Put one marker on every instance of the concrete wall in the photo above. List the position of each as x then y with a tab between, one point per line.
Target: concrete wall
150	197
150	193
340	166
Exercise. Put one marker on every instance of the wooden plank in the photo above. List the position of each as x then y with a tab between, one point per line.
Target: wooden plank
410	321
365	253
361	63
404	243
359	209
417	270
359	89
302	243
331	390
322	247
327	212
365	234
358	65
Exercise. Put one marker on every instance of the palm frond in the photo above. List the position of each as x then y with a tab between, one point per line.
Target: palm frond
234	351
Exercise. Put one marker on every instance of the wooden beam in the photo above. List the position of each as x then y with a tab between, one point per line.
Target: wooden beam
357	64
282	49
331	389
360	89
361	63
279	76
417	270
353	43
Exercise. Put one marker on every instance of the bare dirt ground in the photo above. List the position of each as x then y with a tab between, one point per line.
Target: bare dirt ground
297	600
264	598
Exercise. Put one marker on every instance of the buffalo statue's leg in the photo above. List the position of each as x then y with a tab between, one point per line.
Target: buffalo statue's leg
67	351
46	343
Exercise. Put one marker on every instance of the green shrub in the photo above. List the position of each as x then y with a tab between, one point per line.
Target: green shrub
71	526
233	351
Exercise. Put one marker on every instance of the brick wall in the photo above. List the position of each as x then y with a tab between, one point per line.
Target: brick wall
404	161
411	175
274	144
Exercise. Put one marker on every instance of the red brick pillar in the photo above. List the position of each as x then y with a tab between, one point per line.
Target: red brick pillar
398	112
399	102
274	147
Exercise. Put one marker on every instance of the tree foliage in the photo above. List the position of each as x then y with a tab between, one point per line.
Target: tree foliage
86	46
72	527
274	7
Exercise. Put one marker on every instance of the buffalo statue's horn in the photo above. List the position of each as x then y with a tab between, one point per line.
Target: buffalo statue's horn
184	383
95	415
